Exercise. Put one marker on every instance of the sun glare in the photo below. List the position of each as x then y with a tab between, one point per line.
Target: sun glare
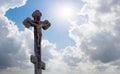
64	11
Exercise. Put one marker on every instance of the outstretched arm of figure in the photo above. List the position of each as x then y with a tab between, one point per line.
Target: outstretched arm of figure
32	23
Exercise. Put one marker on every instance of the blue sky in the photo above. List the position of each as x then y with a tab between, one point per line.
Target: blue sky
58	32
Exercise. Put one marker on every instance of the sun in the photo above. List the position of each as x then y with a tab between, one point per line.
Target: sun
64	12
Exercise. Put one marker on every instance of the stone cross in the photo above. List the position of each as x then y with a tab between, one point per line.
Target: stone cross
38	26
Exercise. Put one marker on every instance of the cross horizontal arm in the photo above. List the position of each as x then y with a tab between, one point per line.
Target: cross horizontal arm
25	22
28	22
45	24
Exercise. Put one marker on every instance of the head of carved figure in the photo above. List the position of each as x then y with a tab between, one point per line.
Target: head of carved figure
36	15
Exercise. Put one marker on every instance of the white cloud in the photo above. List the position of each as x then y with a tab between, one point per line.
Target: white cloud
72	56
14	50
7	4
99	37
14	46
48	50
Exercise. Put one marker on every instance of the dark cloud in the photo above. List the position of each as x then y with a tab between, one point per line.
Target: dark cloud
101	68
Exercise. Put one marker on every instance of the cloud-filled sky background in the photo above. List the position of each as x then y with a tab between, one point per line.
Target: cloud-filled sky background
84	37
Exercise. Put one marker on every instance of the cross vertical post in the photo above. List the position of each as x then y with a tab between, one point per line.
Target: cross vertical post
38	26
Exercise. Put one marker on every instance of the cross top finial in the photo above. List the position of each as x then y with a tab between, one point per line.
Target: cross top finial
36	15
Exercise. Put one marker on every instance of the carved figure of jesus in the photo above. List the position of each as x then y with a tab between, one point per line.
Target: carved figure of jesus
38	24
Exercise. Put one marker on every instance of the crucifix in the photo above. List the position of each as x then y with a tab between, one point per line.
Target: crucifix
38	26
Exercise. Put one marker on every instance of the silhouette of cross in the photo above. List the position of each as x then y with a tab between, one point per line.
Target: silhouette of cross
38	26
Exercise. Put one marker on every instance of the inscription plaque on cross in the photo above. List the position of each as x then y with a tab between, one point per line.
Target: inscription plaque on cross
38	26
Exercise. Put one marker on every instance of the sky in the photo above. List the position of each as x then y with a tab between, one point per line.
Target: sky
84	37
50	11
